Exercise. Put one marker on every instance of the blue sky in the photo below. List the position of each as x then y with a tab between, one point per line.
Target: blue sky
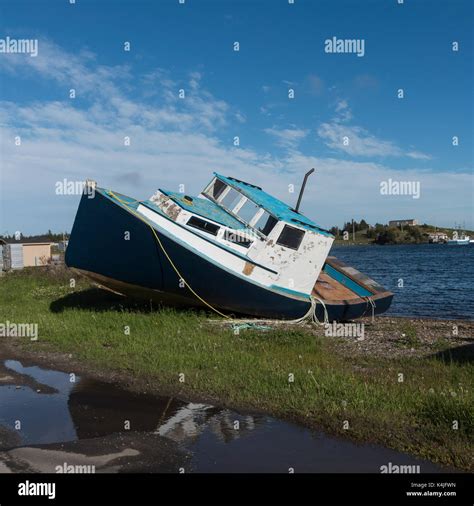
227	93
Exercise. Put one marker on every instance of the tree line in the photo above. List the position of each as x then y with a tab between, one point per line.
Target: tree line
382	234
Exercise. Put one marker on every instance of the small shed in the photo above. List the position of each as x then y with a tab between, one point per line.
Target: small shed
31	252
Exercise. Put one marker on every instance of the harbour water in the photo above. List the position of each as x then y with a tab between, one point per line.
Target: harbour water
428	280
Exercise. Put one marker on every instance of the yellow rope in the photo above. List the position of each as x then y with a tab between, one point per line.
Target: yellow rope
126	204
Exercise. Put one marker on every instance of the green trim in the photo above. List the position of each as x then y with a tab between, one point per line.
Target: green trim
346	281
291	292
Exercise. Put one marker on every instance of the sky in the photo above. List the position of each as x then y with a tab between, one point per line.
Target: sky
181	93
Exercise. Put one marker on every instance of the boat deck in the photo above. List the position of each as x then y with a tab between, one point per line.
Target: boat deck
328	288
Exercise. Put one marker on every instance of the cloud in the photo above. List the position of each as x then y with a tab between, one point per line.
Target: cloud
287	137
179	141
66	68
195	80
343	112
343	189
107	86
416	155
356	140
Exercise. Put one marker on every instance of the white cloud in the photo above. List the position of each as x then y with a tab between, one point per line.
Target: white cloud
287	137
357	141
341	190
176	142
416	155
343	112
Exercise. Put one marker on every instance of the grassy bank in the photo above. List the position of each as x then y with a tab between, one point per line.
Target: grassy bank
335	379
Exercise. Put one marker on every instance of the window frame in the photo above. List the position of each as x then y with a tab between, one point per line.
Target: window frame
246	243
203	229
284	229
239	204
270	216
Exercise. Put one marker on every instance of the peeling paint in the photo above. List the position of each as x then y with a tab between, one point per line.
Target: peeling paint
248	268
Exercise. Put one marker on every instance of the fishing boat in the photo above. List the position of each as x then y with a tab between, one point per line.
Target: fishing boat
234	249
462	240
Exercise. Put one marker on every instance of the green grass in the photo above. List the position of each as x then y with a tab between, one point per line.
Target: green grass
409	337
251	369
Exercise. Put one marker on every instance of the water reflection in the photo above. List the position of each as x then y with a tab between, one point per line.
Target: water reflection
89	417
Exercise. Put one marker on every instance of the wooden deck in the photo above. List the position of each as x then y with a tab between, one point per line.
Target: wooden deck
328	288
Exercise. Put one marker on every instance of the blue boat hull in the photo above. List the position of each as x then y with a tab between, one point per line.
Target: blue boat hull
111	245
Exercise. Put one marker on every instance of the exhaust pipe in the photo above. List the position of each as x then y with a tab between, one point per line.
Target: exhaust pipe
300	196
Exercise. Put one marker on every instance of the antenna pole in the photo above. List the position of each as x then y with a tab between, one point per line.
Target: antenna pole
300	196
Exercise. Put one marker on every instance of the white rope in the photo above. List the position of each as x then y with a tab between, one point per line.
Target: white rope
309	316
326	316
372	304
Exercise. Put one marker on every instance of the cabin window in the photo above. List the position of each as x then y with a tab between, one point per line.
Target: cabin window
215	191
248	211
231	199
237	239
265	223
291	237
203	225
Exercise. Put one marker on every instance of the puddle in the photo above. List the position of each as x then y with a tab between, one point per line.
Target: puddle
85	421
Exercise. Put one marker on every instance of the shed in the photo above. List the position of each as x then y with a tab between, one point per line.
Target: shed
31	252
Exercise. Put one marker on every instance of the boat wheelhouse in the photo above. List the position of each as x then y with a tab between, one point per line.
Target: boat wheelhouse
247	231
233	247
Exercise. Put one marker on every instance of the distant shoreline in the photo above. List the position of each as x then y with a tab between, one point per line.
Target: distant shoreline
350	243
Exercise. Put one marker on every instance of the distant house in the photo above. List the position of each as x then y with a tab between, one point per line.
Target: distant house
402	223
19	253
438	237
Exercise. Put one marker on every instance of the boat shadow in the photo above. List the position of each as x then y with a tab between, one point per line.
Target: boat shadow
100	300
463	354
96	299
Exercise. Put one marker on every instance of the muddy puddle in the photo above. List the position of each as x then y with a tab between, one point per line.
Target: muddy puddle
52	422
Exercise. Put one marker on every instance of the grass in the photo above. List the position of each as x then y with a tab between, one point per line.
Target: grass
252	369
409	336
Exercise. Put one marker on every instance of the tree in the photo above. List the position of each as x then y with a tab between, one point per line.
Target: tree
390	235
414	234
363	225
